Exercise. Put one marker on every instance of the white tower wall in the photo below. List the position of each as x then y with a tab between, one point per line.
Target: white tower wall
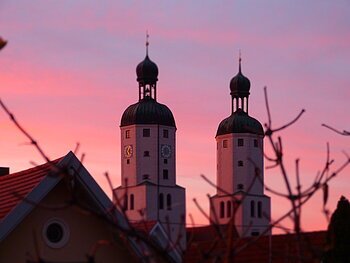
238	165
144	182
151	166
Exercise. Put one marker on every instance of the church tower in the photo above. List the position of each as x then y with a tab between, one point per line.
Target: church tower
149	192
240	167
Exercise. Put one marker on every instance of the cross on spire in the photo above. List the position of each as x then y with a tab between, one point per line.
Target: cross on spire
147	42
240	60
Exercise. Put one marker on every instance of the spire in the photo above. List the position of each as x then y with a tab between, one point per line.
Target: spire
147	42
147	76
240	60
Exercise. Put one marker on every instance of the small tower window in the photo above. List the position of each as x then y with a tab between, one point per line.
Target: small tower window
252	208
166	174
240	187
165	134
147	91
146	153
256	144
146	132
127	161
228	208
259	209
224	143
168	201
240	163
222	209
125	205
127	134
240	142
131	202
165	161
161	201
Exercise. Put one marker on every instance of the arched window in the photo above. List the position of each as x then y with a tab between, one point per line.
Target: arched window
131	202
161	201
259	209
228	208
168	201
125	205
252	208
222	209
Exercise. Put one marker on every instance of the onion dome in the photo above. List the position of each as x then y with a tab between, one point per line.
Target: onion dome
148	111
240	122
147	72
240	85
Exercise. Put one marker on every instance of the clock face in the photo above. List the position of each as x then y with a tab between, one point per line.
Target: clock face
128	151
165	151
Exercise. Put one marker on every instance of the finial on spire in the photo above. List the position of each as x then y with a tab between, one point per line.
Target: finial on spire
240	59
147	42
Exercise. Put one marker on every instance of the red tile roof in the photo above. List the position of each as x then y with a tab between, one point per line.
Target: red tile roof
277	248
14	187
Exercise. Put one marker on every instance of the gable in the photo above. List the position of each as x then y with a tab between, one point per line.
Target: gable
83	229
38	184
14	187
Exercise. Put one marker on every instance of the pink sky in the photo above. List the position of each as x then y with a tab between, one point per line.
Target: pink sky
68	73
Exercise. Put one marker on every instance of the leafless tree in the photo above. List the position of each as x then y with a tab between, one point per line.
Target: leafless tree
297	195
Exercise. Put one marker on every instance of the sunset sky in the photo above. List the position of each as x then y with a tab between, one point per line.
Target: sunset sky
68	73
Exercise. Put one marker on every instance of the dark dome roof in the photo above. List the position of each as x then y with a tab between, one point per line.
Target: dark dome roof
147	111
240	85
147	71
240	122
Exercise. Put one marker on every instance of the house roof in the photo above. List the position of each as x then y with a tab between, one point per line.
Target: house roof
206	246
21	192
16	186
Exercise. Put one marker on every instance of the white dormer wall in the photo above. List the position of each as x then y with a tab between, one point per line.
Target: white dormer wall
236	164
